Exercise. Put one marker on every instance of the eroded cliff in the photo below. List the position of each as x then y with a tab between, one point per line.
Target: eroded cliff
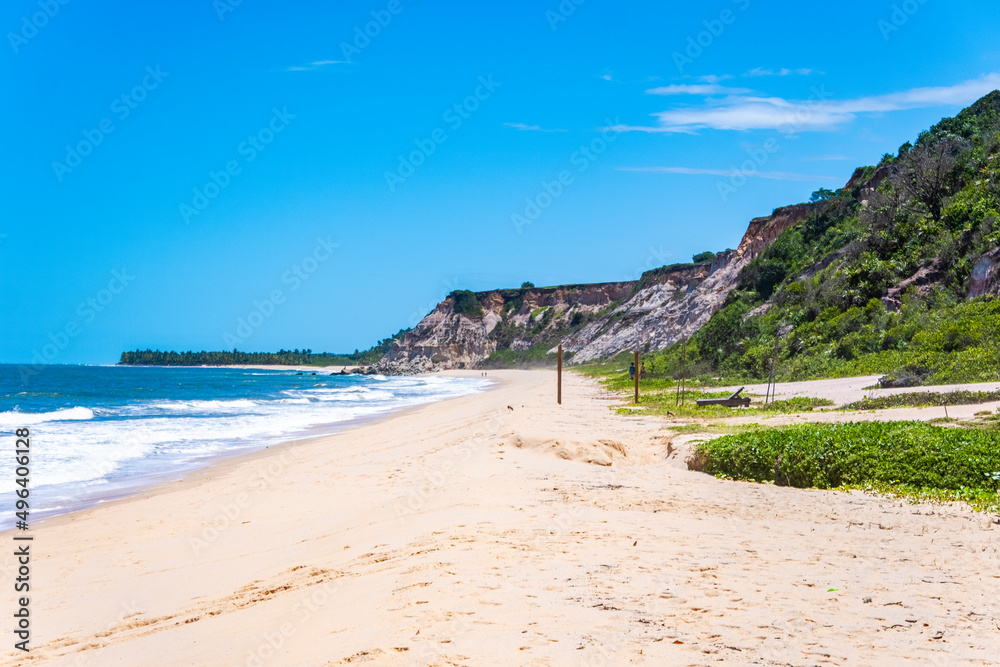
592	321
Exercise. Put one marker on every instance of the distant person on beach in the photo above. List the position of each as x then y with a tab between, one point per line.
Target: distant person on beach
642	371
631	371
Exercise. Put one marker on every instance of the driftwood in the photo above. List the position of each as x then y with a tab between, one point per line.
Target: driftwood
734	400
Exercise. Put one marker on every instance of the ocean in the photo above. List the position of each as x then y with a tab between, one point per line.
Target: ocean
103	432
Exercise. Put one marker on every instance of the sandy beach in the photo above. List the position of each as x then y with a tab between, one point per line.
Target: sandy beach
503	529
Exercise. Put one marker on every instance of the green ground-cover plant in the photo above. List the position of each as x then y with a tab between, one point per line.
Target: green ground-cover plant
924	399
660	397
710	429
658	393
907	458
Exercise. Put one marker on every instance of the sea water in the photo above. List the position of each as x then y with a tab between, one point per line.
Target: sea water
102	432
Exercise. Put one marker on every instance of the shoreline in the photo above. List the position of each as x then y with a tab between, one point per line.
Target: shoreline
126	489
247	367
500	528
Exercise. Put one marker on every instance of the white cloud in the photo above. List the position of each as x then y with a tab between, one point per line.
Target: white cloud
772	175
651	130
315	65
744	112
784	71
529	128
697	89
714	78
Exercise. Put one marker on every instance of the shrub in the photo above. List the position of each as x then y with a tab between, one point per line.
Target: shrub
925	399
905	455
466	303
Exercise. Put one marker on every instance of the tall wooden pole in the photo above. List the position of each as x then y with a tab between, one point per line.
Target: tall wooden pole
684	372
677	377
559	376
774	361
637	377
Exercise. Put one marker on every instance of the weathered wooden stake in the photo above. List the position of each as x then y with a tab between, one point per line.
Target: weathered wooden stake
677	398
774	361
559	375
637	377
684	372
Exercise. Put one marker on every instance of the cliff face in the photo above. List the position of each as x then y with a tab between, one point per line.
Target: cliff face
986	275
591	321
511	319
884	235
671	305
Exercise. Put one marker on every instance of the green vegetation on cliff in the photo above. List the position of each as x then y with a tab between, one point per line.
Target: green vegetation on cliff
466	303
875	278
703	257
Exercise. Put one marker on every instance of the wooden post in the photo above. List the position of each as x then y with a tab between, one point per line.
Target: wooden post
559	376
684	371
677	378
774	360
637	377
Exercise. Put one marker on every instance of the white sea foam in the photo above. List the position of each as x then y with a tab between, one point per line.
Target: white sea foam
17	418
204	406
78	450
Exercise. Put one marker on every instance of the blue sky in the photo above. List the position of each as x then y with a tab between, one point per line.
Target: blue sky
173	168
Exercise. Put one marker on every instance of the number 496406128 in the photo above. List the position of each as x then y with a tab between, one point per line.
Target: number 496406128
23	472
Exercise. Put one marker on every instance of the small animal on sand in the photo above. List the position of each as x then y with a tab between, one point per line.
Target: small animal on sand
510	408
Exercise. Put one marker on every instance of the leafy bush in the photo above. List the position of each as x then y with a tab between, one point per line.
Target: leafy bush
909	456
703	257
466	303
924	399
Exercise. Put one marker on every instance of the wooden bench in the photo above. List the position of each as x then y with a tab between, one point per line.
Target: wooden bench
734	400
